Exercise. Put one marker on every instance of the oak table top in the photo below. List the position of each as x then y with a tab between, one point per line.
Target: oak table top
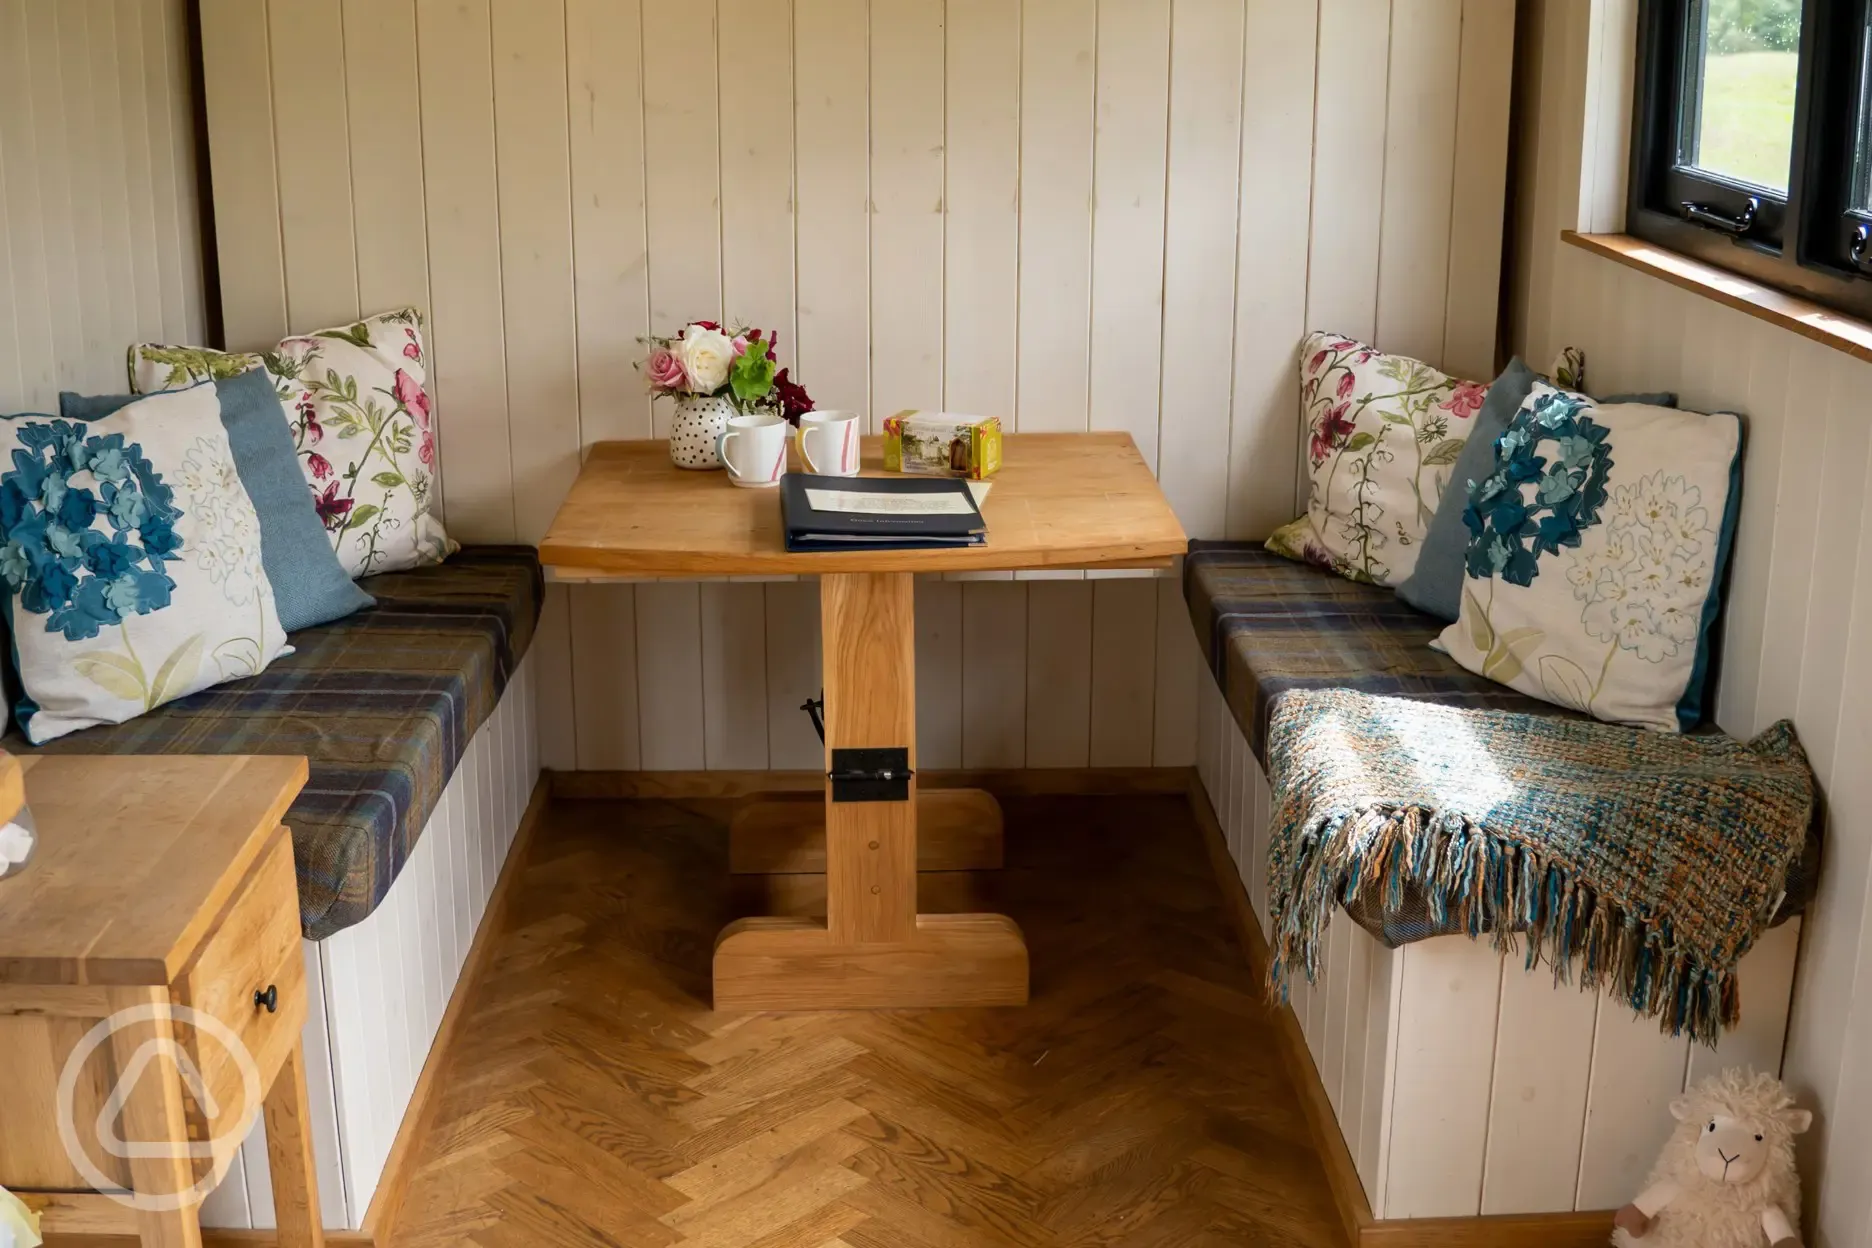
1061	500
136	856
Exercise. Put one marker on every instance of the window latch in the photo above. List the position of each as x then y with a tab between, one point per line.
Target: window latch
1861	249
1712	218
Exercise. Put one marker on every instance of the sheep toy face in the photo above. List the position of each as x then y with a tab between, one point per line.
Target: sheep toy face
1731	1150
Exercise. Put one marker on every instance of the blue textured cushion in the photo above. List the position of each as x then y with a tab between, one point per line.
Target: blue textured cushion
309	584
1435	586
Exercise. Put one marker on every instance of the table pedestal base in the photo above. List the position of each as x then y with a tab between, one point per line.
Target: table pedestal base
794	964
785	833
873	951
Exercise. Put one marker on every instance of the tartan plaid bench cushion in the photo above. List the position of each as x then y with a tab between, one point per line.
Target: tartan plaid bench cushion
383	703
1268	626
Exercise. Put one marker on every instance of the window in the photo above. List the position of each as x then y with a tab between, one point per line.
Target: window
1752	141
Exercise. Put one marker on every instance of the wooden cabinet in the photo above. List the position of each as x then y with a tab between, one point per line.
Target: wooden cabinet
152	994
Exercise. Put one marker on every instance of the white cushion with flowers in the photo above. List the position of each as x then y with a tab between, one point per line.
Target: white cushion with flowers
1596	551
356	400
130	559
1384	432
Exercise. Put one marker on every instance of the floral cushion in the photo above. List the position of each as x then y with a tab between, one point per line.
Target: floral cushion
131	562
1384	433
1596	554
361	420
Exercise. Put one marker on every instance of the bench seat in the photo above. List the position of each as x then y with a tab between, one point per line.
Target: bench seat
383	703
1268	626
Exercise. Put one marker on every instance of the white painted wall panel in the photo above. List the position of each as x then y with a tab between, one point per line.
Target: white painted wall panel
1070	214
98	227
1462	1083
1799	611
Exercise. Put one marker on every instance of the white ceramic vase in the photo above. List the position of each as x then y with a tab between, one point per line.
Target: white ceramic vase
700	421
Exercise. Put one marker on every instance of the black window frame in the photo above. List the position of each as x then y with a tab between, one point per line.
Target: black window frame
1804	244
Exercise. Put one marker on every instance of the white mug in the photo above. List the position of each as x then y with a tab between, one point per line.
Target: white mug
836	436
753	450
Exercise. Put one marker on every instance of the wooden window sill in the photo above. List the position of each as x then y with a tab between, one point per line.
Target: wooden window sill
1764	303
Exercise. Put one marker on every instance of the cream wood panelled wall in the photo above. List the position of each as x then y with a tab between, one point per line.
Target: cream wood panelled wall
100	234
1797	638
1070	213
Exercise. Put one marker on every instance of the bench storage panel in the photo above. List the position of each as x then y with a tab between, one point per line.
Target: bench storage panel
1463	1085
378	989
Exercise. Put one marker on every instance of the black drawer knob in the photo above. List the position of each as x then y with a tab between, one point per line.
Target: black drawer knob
269	1000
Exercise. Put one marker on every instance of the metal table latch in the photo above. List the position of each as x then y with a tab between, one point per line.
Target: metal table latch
871	775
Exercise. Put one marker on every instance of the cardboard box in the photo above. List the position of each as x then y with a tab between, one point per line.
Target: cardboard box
941	444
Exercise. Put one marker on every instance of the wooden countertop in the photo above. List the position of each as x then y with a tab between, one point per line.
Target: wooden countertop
1061	500
136	857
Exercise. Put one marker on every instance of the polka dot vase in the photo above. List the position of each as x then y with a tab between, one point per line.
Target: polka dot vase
700	420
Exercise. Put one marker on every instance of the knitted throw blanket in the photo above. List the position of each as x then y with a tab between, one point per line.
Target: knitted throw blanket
1646	861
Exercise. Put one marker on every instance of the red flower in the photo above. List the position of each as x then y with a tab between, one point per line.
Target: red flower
1344	344
794	401
410	394
321	467
1318	359
425	450
701	325
308	416
1466	401
1334	429
332	510
412	349
1345	386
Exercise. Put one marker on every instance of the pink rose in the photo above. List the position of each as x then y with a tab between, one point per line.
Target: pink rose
664	370
425	450
410	394
321	467
1466	401
1345	386
740	344
411	349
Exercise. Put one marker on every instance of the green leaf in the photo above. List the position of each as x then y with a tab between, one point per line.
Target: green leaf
177	672
116	674
1395	418
1481	632
238	656
752	375
1511	650
361	516
1445	452
358	335
1359	441
389	480
1565	682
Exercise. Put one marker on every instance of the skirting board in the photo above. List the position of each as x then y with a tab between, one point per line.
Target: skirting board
1026	782
1535	1230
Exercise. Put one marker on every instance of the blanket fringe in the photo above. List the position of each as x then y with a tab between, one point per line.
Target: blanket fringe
1490	885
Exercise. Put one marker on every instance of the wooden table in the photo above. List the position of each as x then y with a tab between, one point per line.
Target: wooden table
163	900
1083	500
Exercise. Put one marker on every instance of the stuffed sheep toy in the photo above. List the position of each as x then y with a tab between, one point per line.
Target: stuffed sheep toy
1726	1178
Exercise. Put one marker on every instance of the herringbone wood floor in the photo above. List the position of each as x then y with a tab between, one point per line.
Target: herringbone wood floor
593	1097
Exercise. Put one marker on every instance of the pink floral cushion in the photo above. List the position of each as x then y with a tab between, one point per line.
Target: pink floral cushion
1383	432
355	398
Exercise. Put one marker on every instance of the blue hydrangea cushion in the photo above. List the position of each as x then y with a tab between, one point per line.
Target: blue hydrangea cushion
1595	560
130	559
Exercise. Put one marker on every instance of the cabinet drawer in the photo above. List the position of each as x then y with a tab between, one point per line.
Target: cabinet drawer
252	947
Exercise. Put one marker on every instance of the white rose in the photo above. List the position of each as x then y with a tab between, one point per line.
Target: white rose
706	355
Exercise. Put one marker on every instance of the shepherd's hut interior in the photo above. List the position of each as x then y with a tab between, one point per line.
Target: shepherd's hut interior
936	623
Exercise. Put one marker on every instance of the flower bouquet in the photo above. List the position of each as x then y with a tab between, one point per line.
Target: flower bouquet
714	374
